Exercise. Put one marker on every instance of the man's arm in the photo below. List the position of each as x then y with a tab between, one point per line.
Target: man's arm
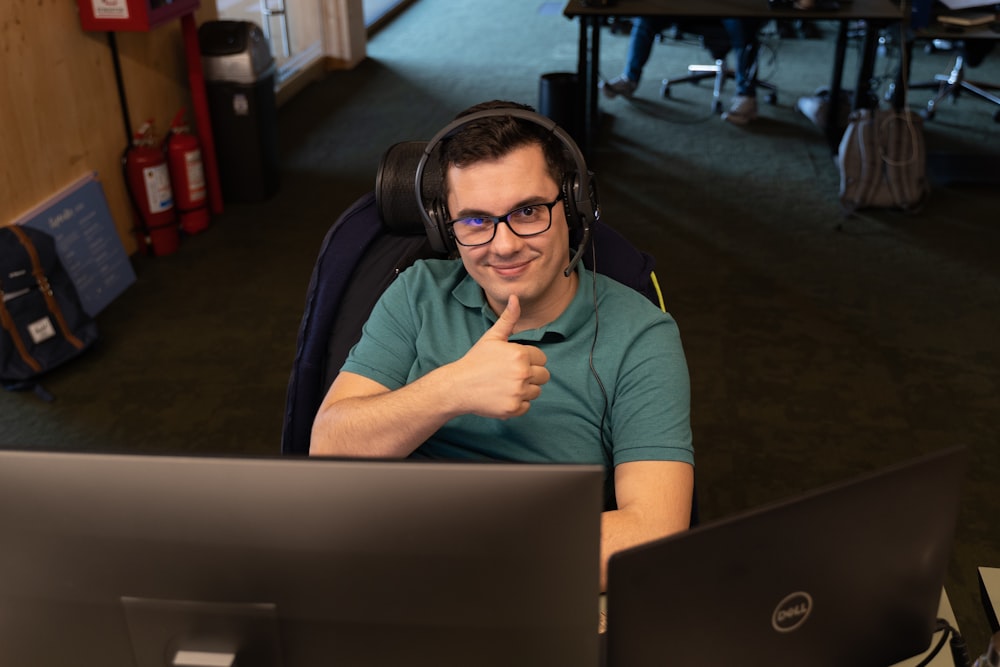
495	378
654	500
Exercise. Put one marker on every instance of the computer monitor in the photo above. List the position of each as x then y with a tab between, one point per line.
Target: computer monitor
850	574
131	560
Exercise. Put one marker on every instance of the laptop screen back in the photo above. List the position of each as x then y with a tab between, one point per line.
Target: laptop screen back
850	574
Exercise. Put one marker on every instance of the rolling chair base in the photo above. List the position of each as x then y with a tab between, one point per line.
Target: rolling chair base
954	84
720	74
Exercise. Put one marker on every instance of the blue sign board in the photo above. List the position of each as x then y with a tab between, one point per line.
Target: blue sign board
87	242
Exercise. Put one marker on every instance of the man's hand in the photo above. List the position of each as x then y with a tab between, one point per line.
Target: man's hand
498	378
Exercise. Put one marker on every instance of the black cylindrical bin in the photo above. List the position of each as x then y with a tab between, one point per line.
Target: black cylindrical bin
558	99
239	83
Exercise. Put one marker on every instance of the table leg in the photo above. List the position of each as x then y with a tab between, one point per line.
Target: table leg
863	90
832	129
588	64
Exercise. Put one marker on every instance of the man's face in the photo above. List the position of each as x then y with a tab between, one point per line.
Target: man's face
530	267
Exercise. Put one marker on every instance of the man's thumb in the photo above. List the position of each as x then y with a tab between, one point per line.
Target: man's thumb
504	326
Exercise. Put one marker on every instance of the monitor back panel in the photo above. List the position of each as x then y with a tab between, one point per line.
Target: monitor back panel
363	563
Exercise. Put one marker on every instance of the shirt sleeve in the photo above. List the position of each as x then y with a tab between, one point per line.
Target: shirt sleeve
386	351
651	410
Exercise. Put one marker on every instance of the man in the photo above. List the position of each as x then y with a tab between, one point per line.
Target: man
500	355
743	40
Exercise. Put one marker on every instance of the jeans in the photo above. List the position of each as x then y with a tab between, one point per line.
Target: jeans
742	36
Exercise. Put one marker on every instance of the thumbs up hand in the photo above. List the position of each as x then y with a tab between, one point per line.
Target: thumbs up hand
498	378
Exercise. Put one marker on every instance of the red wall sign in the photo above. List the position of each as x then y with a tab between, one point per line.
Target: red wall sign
131	15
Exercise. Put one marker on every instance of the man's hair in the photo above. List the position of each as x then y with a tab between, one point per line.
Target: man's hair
494	137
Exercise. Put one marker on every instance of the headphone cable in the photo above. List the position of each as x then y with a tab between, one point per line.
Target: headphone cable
593	344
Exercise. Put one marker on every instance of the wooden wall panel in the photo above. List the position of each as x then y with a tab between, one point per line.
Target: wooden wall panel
60	116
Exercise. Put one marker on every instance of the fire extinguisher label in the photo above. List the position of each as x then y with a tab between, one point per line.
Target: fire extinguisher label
195	175
158	194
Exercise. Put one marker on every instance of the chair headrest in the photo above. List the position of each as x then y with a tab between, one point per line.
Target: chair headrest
395	187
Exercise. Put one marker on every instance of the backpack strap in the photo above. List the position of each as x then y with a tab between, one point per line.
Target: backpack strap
872	168
46	288
15	335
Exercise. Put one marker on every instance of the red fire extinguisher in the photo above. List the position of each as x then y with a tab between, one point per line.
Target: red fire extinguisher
187	175
148	180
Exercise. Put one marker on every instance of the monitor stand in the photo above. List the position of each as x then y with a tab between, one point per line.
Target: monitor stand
183	633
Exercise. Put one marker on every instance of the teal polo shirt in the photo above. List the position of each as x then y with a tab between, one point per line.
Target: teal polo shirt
434	312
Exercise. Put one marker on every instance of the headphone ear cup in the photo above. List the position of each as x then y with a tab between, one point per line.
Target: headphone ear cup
569	188
437	232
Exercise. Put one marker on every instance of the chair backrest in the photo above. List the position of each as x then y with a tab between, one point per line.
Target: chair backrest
357	260
359	257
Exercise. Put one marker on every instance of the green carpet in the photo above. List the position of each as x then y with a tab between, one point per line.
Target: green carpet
819	346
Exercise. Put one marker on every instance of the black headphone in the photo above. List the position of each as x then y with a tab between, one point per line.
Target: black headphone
579	187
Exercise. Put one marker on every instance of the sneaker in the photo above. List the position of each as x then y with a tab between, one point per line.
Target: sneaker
816	107
620	85
813	107
742	111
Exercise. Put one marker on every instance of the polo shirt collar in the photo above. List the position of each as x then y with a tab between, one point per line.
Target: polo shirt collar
577	314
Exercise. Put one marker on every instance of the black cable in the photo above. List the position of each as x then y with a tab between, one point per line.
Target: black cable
937	649
126	119
120	82
959	650
593	343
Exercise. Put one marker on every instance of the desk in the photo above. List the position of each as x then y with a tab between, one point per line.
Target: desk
989	589
876	12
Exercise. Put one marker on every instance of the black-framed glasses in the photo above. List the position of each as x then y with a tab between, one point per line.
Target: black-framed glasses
523	221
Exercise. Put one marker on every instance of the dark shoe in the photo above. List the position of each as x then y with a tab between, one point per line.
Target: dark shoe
618	86
742	111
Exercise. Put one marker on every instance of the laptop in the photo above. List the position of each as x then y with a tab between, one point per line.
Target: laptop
847	575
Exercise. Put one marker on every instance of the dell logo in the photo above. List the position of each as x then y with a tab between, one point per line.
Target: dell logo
792	612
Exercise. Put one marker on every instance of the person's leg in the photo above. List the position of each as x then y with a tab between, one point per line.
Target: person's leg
745	43
644	32
640	45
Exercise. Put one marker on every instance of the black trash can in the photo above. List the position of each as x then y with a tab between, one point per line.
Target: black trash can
239	83
559	99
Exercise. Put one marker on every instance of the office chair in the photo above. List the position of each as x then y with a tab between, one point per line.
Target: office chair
715	39
954	83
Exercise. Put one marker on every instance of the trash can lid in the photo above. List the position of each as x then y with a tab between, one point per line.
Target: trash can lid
234	51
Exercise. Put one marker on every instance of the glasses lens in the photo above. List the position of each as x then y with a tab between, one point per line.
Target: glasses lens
530	220
473	231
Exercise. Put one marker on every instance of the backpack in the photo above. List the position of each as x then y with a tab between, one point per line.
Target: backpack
43	323
883	162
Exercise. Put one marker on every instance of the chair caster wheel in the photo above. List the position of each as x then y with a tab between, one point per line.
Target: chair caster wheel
717	107
665	90
771	98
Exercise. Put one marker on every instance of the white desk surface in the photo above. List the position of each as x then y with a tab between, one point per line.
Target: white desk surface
942	659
